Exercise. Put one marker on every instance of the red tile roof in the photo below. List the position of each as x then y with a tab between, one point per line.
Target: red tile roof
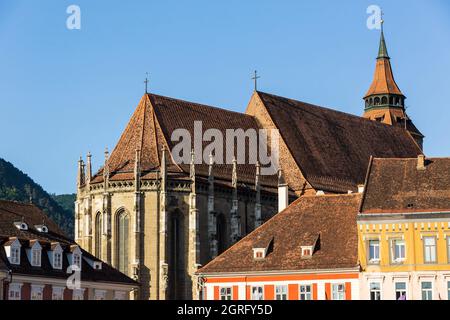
331	218
333	148
397	186
11	212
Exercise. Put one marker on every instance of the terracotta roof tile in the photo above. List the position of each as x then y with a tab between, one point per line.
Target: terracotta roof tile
299	225
396	185
333	148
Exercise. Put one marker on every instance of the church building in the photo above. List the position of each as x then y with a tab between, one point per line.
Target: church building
159	221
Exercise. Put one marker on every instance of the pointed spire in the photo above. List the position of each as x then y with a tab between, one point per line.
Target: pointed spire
88	167
382	51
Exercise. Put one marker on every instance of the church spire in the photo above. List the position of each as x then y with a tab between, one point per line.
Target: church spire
382	51
384	101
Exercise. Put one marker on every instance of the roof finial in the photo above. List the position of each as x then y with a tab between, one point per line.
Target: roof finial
255	78
146	82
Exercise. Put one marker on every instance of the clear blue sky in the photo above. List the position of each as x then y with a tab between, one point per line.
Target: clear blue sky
66	92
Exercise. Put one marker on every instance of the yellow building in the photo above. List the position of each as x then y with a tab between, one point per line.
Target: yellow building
404	230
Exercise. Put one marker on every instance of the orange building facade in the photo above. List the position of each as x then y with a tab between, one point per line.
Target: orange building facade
308	286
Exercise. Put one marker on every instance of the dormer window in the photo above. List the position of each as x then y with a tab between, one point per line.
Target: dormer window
259	253
307	252
76	257
42	228
57	256
12	249
36	254
21	225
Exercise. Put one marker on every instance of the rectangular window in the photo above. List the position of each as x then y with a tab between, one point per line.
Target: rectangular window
448	290
374	251
36	257
36	292
15	255
429	249
375	291
338	292
400	290
14	292
398	251
57	260
257	293
78	294
448	249
225	293
57	293
427	290
305	292
281	292
77	260
99	294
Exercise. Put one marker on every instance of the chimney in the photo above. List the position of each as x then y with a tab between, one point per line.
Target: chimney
421	162
360	188
283	192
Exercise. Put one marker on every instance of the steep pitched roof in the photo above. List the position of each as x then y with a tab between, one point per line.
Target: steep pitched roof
333	148
11	212
151	127
398	186
304	221
383	80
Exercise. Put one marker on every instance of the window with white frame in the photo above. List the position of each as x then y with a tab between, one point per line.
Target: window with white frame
448	248
37	292
77	260
257	293
119	295
15	255
375	291
338	291
57	259
99	294
398	251
36	255
400	291
15	291
57	293
305	292
225	293
374	251
281	292
427	290
448	290
78	294
429	249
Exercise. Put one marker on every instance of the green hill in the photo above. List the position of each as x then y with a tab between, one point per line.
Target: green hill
17	186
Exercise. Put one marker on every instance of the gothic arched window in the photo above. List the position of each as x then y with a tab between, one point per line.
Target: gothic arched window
221	228
122	236
377	101
98	235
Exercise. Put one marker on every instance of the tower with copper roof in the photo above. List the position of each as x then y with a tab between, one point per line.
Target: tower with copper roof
384	101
